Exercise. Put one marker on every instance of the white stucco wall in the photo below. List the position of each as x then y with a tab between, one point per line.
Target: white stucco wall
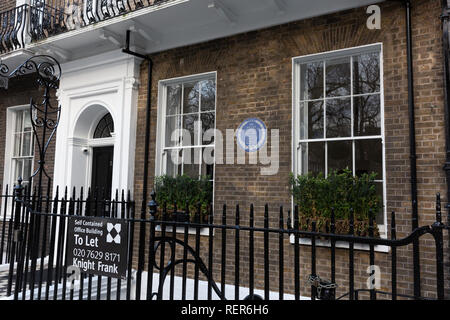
90	88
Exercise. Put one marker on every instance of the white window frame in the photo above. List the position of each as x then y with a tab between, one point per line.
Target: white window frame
296	81
161	125
160	167
11	114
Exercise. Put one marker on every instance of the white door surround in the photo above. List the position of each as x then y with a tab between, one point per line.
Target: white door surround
89	89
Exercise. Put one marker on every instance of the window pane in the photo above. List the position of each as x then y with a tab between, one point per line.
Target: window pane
368	157
173	100
313	157
18	170
17	138
208	122
191	162
366	73
27	169
191	97
105	127
19	121
311	81
172	123
312	118
338	77
208	91
26	145
338	118
339	155
190	123
173	162
27	121
367	118
208	162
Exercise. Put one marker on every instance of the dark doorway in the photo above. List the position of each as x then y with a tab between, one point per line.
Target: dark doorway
102	166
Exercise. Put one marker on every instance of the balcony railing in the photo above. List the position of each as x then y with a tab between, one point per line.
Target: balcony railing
13	28
45	18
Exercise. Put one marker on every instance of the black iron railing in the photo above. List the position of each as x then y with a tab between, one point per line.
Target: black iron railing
45	18
212	260
13	28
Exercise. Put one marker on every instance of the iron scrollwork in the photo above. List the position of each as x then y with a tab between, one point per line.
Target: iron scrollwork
44	121
44	116
4	71
173	262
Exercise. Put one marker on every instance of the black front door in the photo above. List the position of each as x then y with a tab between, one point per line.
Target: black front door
102	166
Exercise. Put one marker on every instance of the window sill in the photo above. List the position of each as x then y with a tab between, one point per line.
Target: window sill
193	231
339	244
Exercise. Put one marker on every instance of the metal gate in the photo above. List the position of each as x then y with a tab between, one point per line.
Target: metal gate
194	258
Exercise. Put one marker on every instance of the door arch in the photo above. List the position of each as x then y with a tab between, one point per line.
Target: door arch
93	149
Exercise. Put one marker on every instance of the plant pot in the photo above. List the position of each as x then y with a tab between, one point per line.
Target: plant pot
342	227
180	216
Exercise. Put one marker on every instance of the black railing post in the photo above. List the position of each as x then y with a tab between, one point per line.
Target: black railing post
351	276
437	228
51	254
266	252
373	295
185	254
296	255
281	255
17	237
197	249
173	246
236	255
153	209
224	251
131	213
162	255
313	260
394	257
251	257
210	251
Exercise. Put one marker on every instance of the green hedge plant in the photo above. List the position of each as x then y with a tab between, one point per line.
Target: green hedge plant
317	195
184	190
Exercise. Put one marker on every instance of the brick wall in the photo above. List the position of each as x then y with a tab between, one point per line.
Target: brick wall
7	5
254	72
20	91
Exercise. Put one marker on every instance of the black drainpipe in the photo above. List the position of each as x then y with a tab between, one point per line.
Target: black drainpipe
141	261
412	147
446	51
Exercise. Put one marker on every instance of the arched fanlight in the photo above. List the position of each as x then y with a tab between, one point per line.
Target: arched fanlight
105	127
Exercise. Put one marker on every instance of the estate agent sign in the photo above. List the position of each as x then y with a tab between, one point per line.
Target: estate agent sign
98	246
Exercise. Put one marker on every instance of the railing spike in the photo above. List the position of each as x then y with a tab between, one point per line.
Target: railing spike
393	226
438	208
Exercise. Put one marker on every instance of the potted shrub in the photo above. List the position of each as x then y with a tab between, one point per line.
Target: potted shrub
315	197
175	193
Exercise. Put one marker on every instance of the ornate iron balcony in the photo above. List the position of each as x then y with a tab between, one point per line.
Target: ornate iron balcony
13	28
45	18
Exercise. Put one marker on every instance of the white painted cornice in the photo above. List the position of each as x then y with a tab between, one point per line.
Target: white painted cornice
108	58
